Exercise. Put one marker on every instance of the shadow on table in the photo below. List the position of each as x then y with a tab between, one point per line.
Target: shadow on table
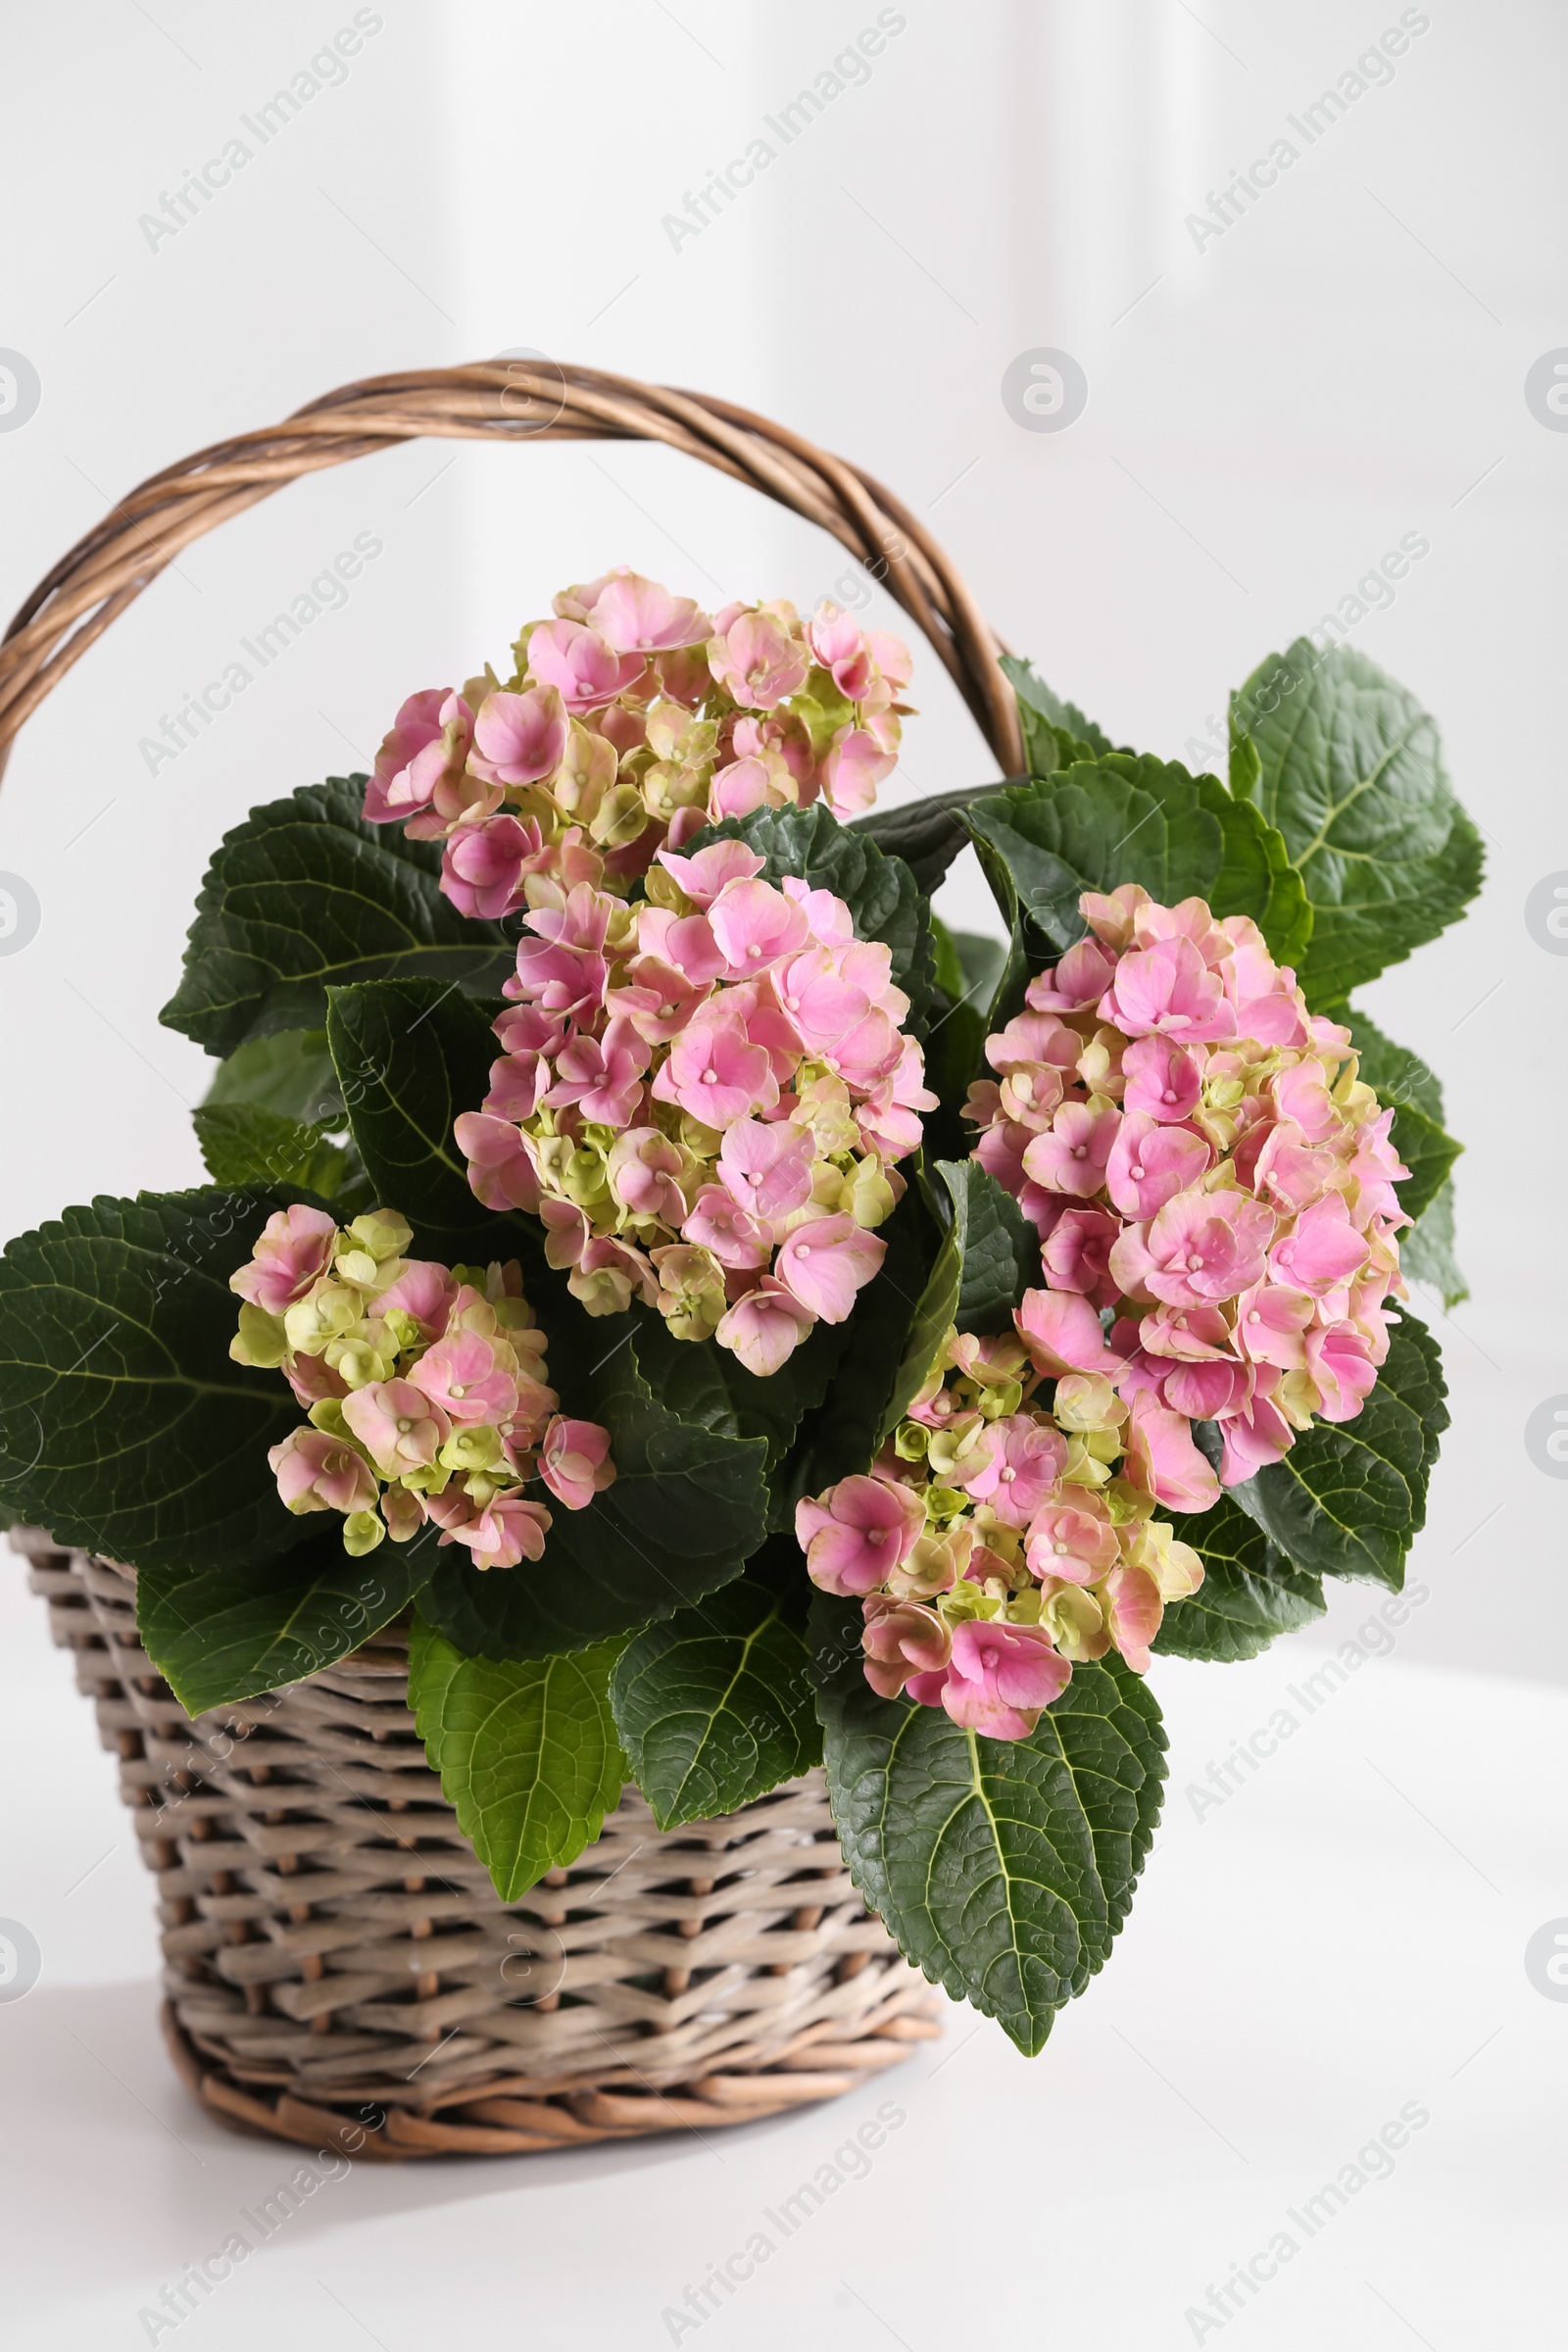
102	2133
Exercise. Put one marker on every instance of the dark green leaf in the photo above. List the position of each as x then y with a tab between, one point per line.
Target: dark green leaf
527	1752
968	970
1403	1079
841	1438
1051	725
1004	1868
1100	823
289	1073
1249	1594
979	962
1426	1153
304	896
1350	771
244	1145
1348	1500
709	1387
1425	1252
928	833
219	1634
879	890
935	1310
1396	1073
718	1705
125	1425
687	1506
1244	764
411	1056
999	1250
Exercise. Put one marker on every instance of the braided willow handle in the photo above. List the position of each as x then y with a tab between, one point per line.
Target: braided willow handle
498	400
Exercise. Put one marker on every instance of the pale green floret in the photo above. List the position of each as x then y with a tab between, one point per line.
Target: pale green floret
356	1266
1126	1503
474	1449
327	1414
427	1477
363	1530
383	1234
328	1313
358	1359
260	1338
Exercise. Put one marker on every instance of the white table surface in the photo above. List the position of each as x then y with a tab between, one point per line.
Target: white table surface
1339	1939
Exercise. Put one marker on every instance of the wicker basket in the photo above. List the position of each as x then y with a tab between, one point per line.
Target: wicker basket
339	1971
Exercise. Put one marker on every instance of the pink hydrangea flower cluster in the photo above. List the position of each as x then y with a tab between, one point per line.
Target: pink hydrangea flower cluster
1202	1161
632	719
703	1098
995	1541
425	1387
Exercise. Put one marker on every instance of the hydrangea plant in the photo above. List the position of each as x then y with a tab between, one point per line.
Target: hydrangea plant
847	1341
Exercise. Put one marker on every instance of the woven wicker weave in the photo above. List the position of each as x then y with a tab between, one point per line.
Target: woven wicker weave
498	401
338	1968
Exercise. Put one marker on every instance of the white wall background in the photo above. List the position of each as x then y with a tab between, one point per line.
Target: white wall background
1266	416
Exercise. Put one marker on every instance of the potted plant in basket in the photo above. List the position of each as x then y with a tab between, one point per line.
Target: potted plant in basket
739	1326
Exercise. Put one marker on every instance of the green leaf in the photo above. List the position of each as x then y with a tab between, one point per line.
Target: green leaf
125	1425
1425	1252
527	1752
1051	726
968	968
1350	771
1350	1498
289	1073
304	896
1426	1153
1122	818
935	1310
1251	1592
926	834
1403	1079
221	1632
996	1247
842	1437
709	1387
687	1506
242	1144
1004	1868
973	967
718	1705
410	1056
1397	1074
880	892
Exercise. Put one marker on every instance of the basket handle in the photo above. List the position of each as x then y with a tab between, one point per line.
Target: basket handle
504	401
